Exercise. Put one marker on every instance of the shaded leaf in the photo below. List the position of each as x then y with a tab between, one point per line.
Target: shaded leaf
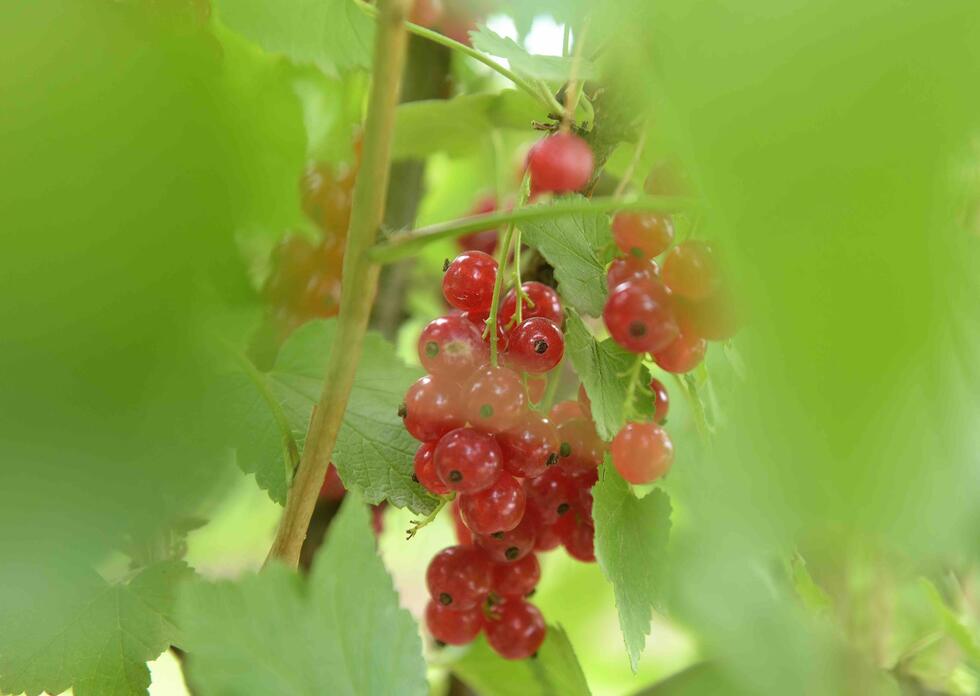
548	68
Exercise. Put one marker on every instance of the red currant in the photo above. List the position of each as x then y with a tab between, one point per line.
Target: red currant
483	240
628	268
690	270
560	163
452	346
327	196
451	626
537	345
580	447
431	408
642	452
507	547
579	541
463	534
497	508
642	235
547	538
333	487
666	178
661	401
425	472
552	494
494	398
467	460
639	317
459	577
468	281
516	579
541	301
529	447
683	355
516	630
713	318
566	410
426	13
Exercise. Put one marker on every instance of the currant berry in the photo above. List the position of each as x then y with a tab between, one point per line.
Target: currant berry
560	163
426	13
516	630
452	346
580	447
459	577
468	281
507	547
431	408
661	401
494	398
463	534
537	345
547	538
642	235
579	541
482	240
551	494
333	487
714	318
451	626
642	452
516	579
566	410
529	447
683	355
666	178
497	508
690	270
639	317
541	301
467	460
425	472
294	261
327	196
627	268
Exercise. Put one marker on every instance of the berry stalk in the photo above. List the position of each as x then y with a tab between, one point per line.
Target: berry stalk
360	281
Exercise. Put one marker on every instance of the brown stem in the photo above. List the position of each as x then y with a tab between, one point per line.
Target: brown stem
359	286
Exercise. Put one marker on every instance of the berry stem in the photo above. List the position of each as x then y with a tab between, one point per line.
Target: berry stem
548	400
417	525
360	282
546	99
525	193
624	182
634	376
404	244
573	90
497	286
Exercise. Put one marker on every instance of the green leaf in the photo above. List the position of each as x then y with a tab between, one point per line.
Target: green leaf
548	68
373	452
810	593
78	631
331	34
631	546
573	244
603	366
339	632
554	671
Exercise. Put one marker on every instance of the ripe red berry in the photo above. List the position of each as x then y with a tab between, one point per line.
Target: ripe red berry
714	318
497	508
463	534
516	579
642	235
579	541
507	547
468	281
529	447
690	270
452	626
580	447
661	401
566	410
459	577
426	13
333	487
425	472
467	460
642	452
666	178
537	345
516	629
551	494
683	355
452	346
560	163
482	240
639	317
494	398
431	408
545	301
327	195
547	538
625	268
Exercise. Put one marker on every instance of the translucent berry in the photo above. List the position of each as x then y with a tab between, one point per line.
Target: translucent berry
467	460
459	577
642	235
529	447
714	318
494	398
463	534
661	401
426	13
626	268
642	452
639	317
541	301
452	346
683	355
560	163
551	494
468	281
579	446
579	541
507	547
333	487
566	410
516	579
431	408
537	345
497	508
516	629
547	538
425	472
690	270
452	626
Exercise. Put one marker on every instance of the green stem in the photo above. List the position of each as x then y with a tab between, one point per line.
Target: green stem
548	100
549	393
360	282
444	500
497	286
403	244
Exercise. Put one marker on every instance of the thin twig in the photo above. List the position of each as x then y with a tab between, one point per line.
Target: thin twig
624	182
